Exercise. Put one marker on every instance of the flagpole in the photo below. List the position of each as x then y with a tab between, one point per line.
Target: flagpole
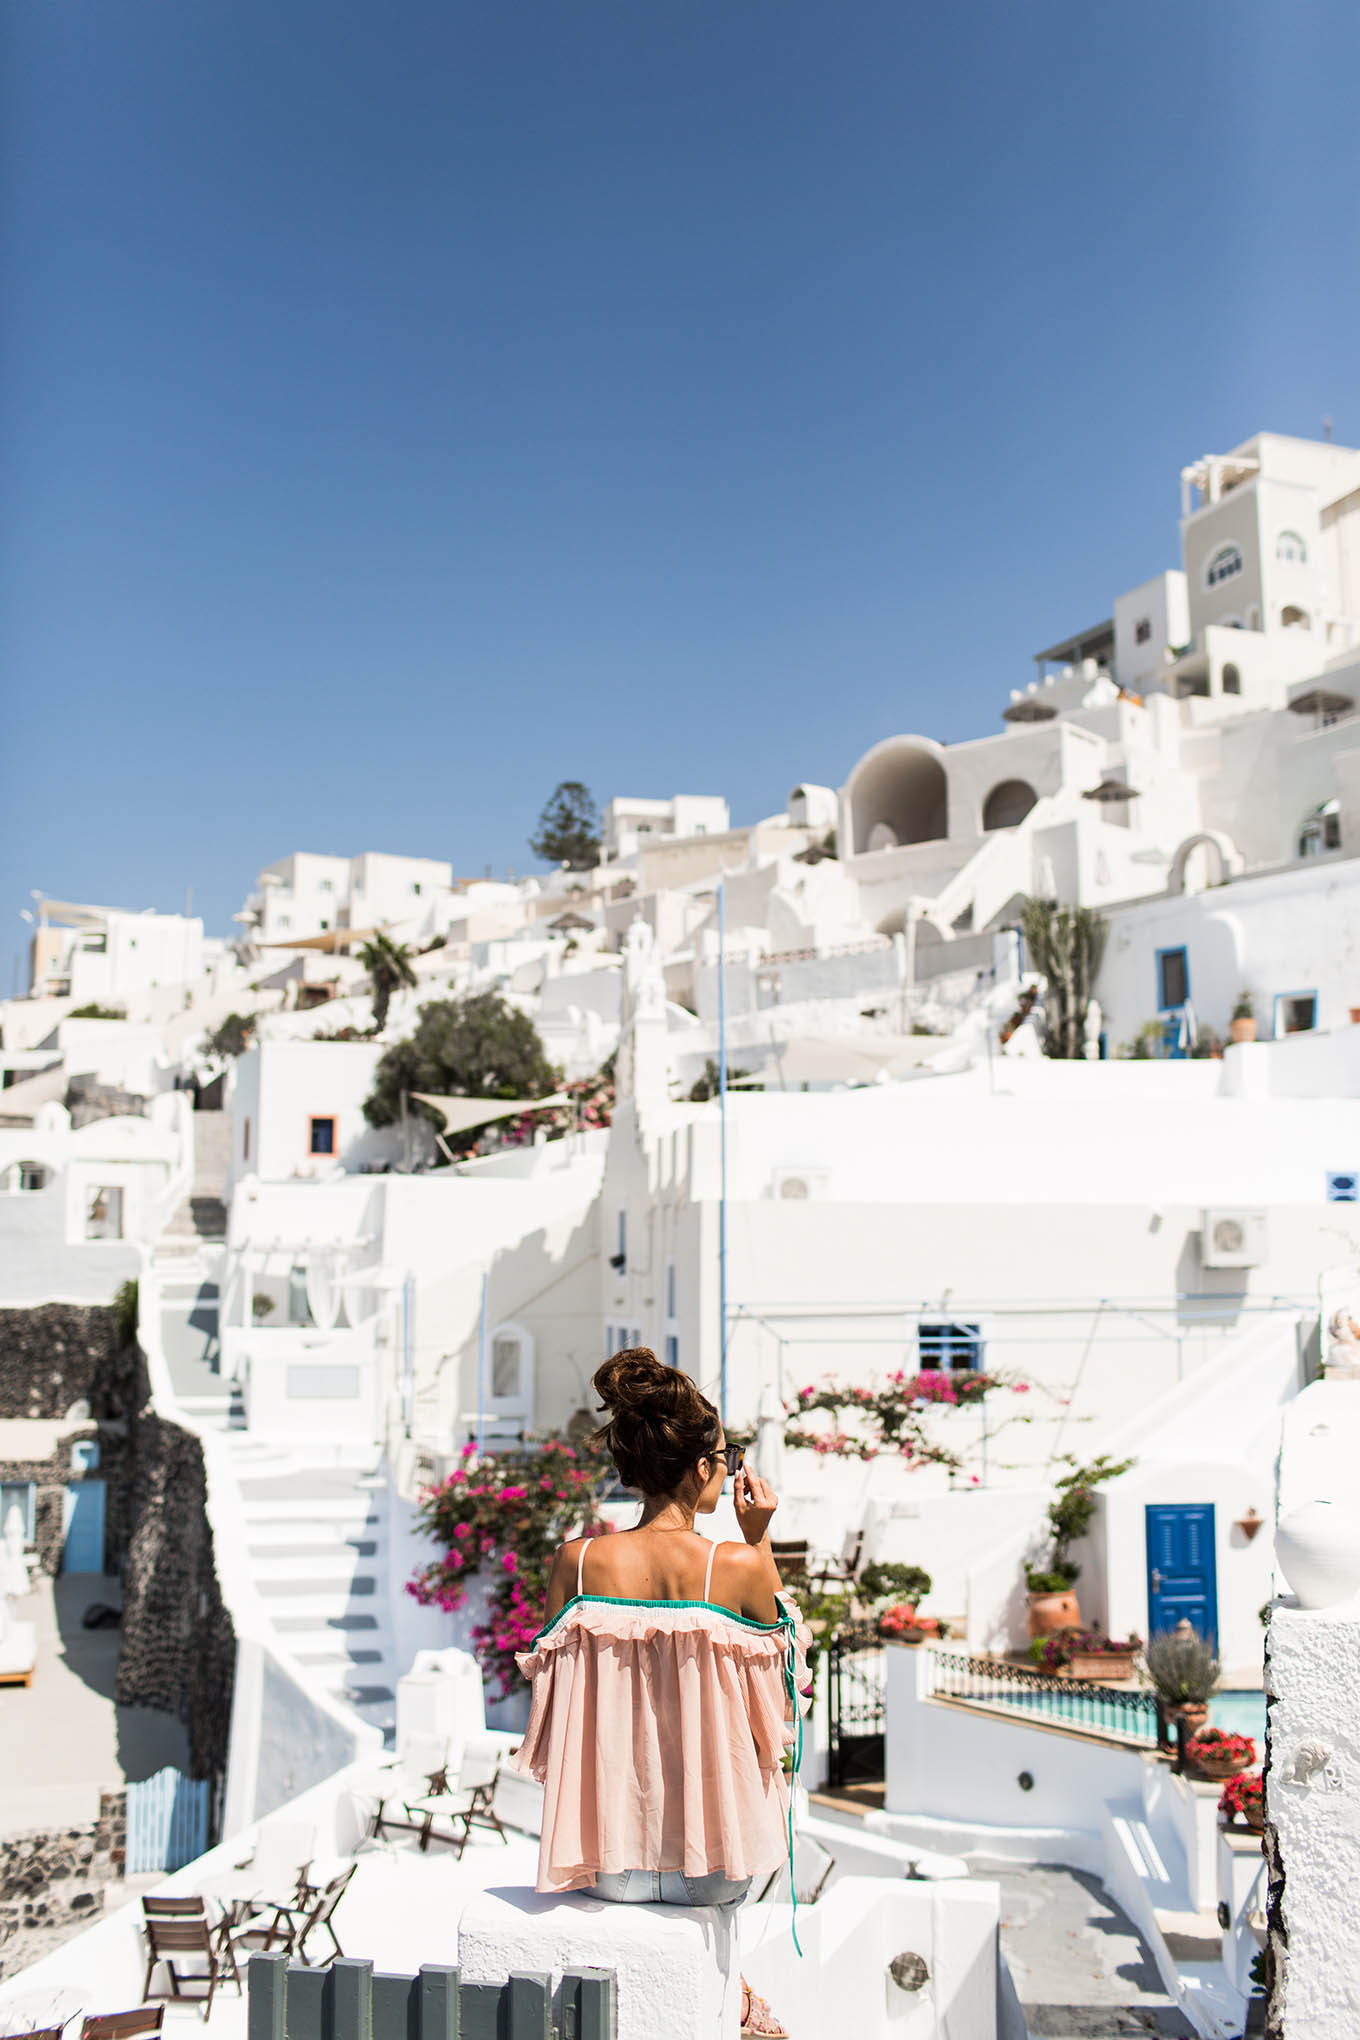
722	1145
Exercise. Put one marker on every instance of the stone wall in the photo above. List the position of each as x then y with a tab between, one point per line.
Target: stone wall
178	1648
57	1354
52	1882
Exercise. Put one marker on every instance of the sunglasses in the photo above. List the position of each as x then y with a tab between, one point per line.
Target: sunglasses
734	1457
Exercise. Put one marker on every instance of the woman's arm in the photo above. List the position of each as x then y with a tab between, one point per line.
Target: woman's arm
562	1579
755	1502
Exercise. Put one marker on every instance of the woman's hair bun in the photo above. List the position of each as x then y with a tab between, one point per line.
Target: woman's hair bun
659	1424
635	1379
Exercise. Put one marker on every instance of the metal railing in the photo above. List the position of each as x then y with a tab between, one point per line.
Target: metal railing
1121	1714
346	2001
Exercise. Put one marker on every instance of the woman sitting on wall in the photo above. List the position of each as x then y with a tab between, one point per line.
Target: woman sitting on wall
665	1682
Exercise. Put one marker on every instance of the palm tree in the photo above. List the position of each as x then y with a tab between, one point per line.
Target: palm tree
389	968
1066	944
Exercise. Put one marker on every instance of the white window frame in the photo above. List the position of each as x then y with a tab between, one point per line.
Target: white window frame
520	1404
1291	548
1214	579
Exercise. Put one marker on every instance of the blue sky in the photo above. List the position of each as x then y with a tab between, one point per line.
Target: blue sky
407	407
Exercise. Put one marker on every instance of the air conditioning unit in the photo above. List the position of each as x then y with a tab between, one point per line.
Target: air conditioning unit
796	1185
1233	1238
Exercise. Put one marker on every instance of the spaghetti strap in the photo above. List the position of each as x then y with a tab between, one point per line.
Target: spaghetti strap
708	1573
580	1563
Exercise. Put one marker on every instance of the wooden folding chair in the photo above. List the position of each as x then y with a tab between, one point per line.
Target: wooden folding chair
287	1928
176	1928
124	2025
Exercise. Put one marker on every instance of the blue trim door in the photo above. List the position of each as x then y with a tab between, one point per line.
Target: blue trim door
84	1549
1181	1565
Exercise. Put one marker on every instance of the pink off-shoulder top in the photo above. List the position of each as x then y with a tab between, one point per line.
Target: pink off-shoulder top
657	1729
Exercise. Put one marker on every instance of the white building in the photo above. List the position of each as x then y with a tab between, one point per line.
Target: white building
309	894
633	824
104	955
79	1204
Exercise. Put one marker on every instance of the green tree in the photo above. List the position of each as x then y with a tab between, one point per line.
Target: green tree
232	1037
474	1047
388	964
1066	944
569	828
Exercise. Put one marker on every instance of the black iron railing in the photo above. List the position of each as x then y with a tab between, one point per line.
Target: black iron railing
1123	1713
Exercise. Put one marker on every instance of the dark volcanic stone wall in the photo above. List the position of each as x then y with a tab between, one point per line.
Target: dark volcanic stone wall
57	1354
178	1647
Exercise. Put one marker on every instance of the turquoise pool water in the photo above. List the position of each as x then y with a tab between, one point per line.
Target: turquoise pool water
1241	1713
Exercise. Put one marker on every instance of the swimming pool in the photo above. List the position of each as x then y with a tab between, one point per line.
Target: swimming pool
1241	1712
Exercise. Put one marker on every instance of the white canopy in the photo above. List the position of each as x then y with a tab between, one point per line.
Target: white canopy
460	1115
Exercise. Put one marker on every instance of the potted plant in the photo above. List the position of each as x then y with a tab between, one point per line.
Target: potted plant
1217	1754
1244	1798
261	1304
902	1624
1184	1667
1092	1655
1242	1026
1052	1605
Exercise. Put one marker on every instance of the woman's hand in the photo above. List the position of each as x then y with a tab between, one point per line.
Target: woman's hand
755	1502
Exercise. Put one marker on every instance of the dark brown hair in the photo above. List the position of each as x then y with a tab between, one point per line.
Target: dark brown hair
659	1425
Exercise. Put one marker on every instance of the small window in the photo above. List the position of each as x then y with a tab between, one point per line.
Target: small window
104	1214
1289	546
1294	618
670	1288
23	1496
1142	630
1223	564
1173	979
636	1337
619	1260
415	887
1231	679
324	926
245	1142
1298	1012
1321	831
507	1367
321	1136
327	885
947	1347
24	1176
672	1350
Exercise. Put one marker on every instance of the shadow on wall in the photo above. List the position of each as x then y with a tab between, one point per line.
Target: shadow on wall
1203	1292
550	1285
148	1737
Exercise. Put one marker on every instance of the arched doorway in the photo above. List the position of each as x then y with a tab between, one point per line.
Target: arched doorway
1007	804
899	794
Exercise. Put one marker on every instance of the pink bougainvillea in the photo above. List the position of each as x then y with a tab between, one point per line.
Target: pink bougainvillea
503	1518
889	1416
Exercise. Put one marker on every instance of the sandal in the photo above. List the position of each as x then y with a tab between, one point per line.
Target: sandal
757	2018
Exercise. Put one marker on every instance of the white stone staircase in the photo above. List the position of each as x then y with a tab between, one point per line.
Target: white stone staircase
317	1551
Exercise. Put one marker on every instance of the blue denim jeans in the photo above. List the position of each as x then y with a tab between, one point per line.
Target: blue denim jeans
668	1887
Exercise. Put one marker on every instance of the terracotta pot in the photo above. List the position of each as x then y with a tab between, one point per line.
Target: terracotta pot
1355	1016
1100	1667
1189	1716
912	1638
1219	1768
1242	1030
1047	1614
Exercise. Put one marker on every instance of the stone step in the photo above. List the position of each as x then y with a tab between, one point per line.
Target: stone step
334	1568
287	1601
339	1518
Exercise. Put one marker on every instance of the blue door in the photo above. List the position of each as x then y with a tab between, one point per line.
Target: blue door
84	1527
1182	1573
